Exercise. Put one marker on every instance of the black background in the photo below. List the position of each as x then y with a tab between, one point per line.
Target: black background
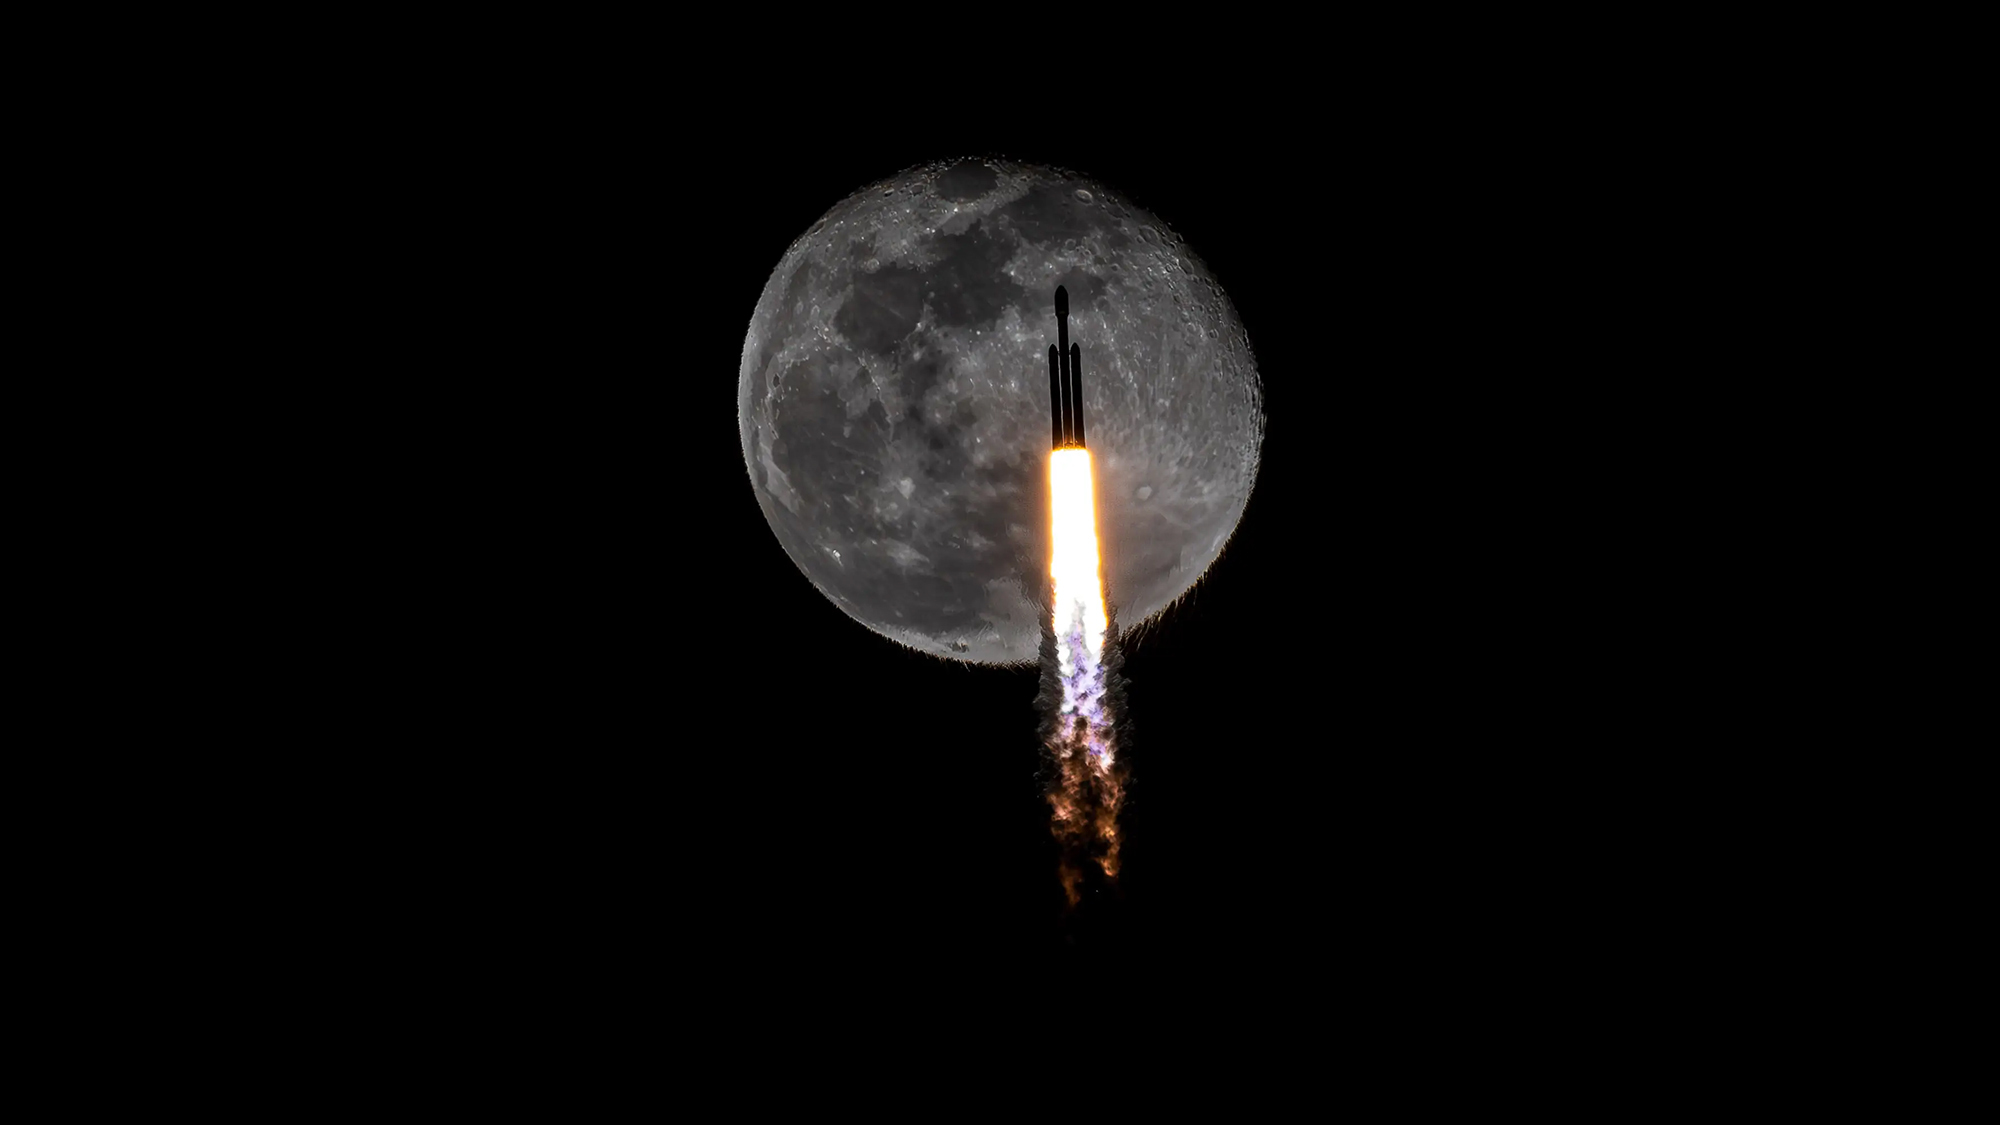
1408	718
474	705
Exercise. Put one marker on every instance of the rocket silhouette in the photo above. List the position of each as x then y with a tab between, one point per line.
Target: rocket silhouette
1065	382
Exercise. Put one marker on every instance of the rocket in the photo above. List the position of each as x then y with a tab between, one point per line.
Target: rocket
1065	381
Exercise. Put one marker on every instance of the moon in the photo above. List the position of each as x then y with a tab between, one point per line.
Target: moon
893	402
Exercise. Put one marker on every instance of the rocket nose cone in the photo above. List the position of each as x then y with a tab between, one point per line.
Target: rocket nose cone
1062	301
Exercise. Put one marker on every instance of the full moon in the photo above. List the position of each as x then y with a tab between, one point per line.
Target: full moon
893	402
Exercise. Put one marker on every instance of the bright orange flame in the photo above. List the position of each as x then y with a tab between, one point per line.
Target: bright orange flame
1073	562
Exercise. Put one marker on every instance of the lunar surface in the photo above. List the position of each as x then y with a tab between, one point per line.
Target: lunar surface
893	403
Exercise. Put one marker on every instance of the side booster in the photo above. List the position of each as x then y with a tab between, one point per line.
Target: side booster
1065	381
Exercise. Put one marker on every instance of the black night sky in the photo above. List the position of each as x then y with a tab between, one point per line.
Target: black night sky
1388	719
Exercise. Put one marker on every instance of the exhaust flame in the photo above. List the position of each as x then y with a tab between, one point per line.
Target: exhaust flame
1087	790
1079	600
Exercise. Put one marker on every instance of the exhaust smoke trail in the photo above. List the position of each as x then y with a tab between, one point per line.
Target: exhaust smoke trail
1081	686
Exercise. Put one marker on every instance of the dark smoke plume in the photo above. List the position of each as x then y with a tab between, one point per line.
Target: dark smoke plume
1084	799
